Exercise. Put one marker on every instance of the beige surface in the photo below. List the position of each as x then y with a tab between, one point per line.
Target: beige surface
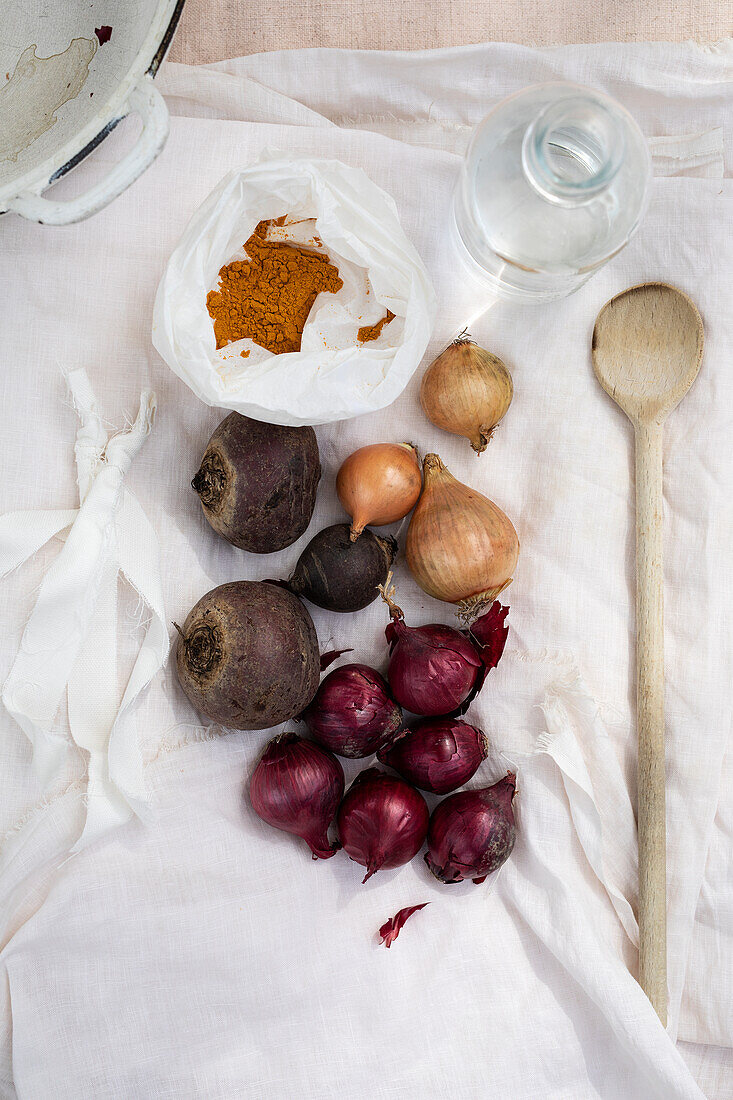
214	29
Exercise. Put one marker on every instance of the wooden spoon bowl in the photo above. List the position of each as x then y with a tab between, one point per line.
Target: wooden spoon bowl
647	349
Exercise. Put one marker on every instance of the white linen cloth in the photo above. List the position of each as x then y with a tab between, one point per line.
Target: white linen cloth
69	644
198	952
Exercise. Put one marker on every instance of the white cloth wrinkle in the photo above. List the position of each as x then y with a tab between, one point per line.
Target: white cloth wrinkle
70	640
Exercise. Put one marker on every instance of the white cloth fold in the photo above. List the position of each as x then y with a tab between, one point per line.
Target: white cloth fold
69	643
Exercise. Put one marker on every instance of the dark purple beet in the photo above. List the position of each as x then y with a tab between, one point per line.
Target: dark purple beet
247	656
257	482
341	575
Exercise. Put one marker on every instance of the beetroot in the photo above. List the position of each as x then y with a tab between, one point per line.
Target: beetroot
247	656
341	575
257	482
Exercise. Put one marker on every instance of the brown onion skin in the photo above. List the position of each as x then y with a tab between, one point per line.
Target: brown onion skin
472	833
247	656
352	713
379	484
461	547
467	390
437	754
297	787
382	821
257	482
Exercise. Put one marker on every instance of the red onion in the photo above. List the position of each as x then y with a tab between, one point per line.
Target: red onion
433	669
472	833
436	669
352	712
437	754
297	787
382	821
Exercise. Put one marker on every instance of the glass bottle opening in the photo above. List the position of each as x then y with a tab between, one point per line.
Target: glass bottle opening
573	150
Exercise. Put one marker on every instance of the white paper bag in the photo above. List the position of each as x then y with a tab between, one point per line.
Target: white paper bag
332	377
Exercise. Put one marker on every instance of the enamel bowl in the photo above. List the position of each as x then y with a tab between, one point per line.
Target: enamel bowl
69	73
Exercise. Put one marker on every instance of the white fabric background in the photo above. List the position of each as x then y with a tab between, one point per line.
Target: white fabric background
200	953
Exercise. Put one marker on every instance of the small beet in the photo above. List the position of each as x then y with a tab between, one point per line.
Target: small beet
257	482
340	575
247	656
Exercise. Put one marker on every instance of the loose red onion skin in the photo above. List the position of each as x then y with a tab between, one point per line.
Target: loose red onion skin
297	787
352	712
437	754
433	669
391	929
382	821
489	633
472	833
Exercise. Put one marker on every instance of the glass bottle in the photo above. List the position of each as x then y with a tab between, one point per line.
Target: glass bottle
554	183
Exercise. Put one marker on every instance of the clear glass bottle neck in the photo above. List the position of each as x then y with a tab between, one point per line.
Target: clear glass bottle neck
573	149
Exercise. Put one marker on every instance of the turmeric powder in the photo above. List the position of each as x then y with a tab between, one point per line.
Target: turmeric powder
373	332
268	299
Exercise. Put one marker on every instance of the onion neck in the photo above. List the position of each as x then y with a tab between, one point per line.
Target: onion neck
434	470
287	737
472	606
373	866
481	438
432	464
321	847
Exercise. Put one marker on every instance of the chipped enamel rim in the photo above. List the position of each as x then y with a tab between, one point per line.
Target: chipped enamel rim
134	93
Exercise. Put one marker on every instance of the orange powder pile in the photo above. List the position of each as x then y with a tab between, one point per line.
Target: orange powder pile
268	299
373	332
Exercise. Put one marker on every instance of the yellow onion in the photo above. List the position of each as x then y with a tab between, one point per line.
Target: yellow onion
461	548
467	391
379	484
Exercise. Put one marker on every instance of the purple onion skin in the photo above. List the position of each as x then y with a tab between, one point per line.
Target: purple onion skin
472	833
352	712
433	669
436	754
382	821
297	787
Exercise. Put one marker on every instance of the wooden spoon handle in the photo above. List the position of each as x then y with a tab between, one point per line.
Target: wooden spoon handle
650	718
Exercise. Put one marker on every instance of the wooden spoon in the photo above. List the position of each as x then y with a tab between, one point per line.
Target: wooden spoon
647	347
